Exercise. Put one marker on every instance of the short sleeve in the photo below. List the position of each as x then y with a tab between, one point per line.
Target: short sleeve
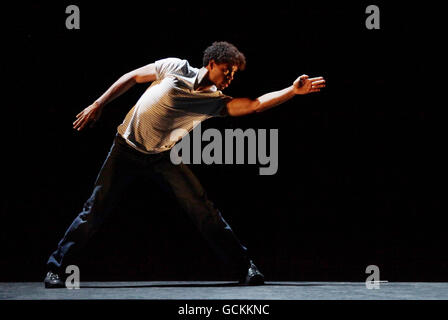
168	66
217	106
213	106
222	106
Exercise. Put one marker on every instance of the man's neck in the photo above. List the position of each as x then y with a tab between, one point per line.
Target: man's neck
203	82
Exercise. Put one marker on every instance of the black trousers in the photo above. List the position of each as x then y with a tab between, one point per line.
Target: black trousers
122	167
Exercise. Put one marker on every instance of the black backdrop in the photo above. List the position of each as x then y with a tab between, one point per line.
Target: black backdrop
359	163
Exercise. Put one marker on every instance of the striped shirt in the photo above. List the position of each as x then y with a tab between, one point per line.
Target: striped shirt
170	103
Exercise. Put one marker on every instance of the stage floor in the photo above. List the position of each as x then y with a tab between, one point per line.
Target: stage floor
219	290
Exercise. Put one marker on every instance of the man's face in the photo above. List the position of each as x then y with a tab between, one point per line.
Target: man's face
221	74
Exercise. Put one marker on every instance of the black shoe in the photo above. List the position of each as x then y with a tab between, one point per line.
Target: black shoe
54	280
253	277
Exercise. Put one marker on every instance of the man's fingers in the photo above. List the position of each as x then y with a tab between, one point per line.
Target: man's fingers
316	82
79	124
79	117
83	119
76	124
319	83
78	121
303	78
316	79
82	125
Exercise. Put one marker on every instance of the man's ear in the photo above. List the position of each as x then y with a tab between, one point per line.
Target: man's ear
211	63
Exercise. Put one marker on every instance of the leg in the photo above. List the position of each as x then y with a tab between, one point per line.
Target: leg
117	173
182	184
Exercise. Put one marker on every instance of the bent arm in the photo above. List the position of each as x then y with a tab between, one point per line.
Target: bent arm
303	85
125	82
242	106
92	113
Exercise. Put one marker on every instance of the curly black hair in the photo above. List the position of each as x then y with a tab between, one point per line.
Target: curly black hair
224	52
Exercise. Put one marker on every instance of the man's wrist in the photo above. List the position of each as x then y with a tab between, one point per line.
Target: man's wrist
98	104
292	89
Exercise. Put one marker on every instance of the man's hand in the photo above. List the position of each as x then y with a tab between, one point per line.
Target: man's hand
305	85
91	114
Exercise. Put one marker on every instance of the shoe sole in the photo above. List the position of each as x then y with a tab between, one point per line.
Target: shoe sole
54	286
257	280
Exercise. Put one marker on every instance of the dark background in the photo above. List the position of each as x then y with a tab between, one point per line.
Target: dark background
359	179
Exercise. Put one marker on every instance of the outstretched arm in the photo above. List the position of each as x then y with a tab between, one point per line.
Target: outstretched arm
303	85
92	113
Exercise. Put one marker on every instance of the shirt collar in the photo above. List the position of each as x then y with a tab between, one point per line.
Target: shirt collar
200	75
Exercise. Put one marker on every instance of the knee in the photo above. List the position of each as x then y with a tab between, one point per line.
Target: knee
212	219
91	205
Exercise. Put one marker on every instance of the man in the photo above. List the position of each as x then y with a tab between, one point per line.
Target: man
179	96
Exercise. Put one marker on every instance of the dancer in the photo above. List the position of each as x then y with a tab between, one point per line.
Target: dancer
179	96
